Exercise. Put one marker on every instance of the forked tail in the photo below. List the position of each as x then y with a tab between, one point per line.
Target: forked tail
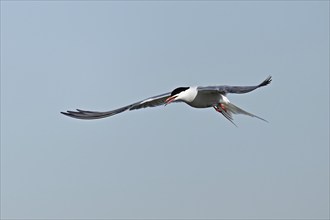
227	109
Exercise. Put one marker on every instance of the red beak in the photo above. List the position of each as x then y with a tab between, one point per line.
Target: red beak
170	99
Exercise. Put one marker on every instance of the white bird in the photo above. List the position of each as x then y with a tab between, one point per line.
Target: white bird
195	96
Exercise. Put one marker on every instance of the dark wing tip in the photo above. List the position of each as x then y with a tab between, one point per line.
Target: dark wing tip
82	114
73	114
65	113
266	81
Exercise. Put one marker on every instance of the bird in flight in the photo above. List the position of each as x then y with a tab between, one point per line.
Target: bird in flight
195	96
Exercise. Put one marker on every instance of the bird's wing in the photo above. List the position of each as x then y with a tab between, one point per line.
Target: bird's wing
149	102
233	89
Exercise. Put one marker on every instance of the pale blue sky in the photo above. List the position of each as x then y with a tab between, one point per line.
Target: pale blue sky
165	162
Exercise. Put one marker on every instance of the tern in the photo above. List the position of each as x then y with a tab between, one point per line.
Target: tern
195	96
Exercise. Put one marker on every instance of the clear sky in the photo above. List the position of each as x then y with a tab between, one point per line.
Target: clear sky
173	161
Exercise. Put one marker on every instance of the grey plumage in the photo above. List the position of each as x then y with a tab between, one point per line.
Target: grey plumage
149	102
233	89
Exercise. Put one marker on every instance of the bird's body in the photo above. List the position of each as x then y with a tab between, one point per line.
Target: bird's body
202	99
195	96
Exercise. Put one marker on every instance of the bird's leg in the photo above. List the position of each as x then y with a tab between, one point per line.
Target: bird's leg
217	109
220	107
223	107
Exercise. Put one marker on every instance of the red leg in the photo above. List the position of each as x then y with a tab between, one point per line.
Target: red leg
223	107
217	109
220	107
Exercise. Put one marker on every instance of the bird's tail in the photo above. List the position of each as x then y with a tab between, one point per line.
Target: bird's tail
227	109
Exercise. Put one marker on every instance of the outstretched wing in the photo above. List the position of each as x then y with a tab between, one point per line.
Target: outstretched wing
149	102
233	89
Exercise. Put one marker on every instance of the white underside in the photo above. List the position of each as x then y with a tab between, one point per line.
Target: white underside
208	100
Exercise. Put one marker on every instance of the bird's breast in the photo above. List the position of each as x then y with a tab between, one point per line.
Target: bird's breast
205	100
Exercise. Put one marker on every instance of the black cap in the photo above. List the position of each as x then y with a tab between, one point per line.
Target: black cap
178	90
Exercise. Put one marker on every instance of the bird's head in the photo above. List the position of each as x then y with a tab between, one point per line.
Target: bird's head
177	94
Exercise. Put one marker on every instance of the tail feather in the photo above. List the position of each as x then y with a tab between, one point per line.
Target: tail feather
229	109
236	110
229	116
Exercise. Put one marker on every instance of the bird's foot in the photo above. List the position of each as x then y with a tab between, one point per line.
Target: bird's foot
220	107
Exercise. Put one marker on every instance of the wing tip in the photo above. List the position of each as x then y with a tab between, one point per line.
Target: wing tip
88	115
72	114
78	114
267	81
65	113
